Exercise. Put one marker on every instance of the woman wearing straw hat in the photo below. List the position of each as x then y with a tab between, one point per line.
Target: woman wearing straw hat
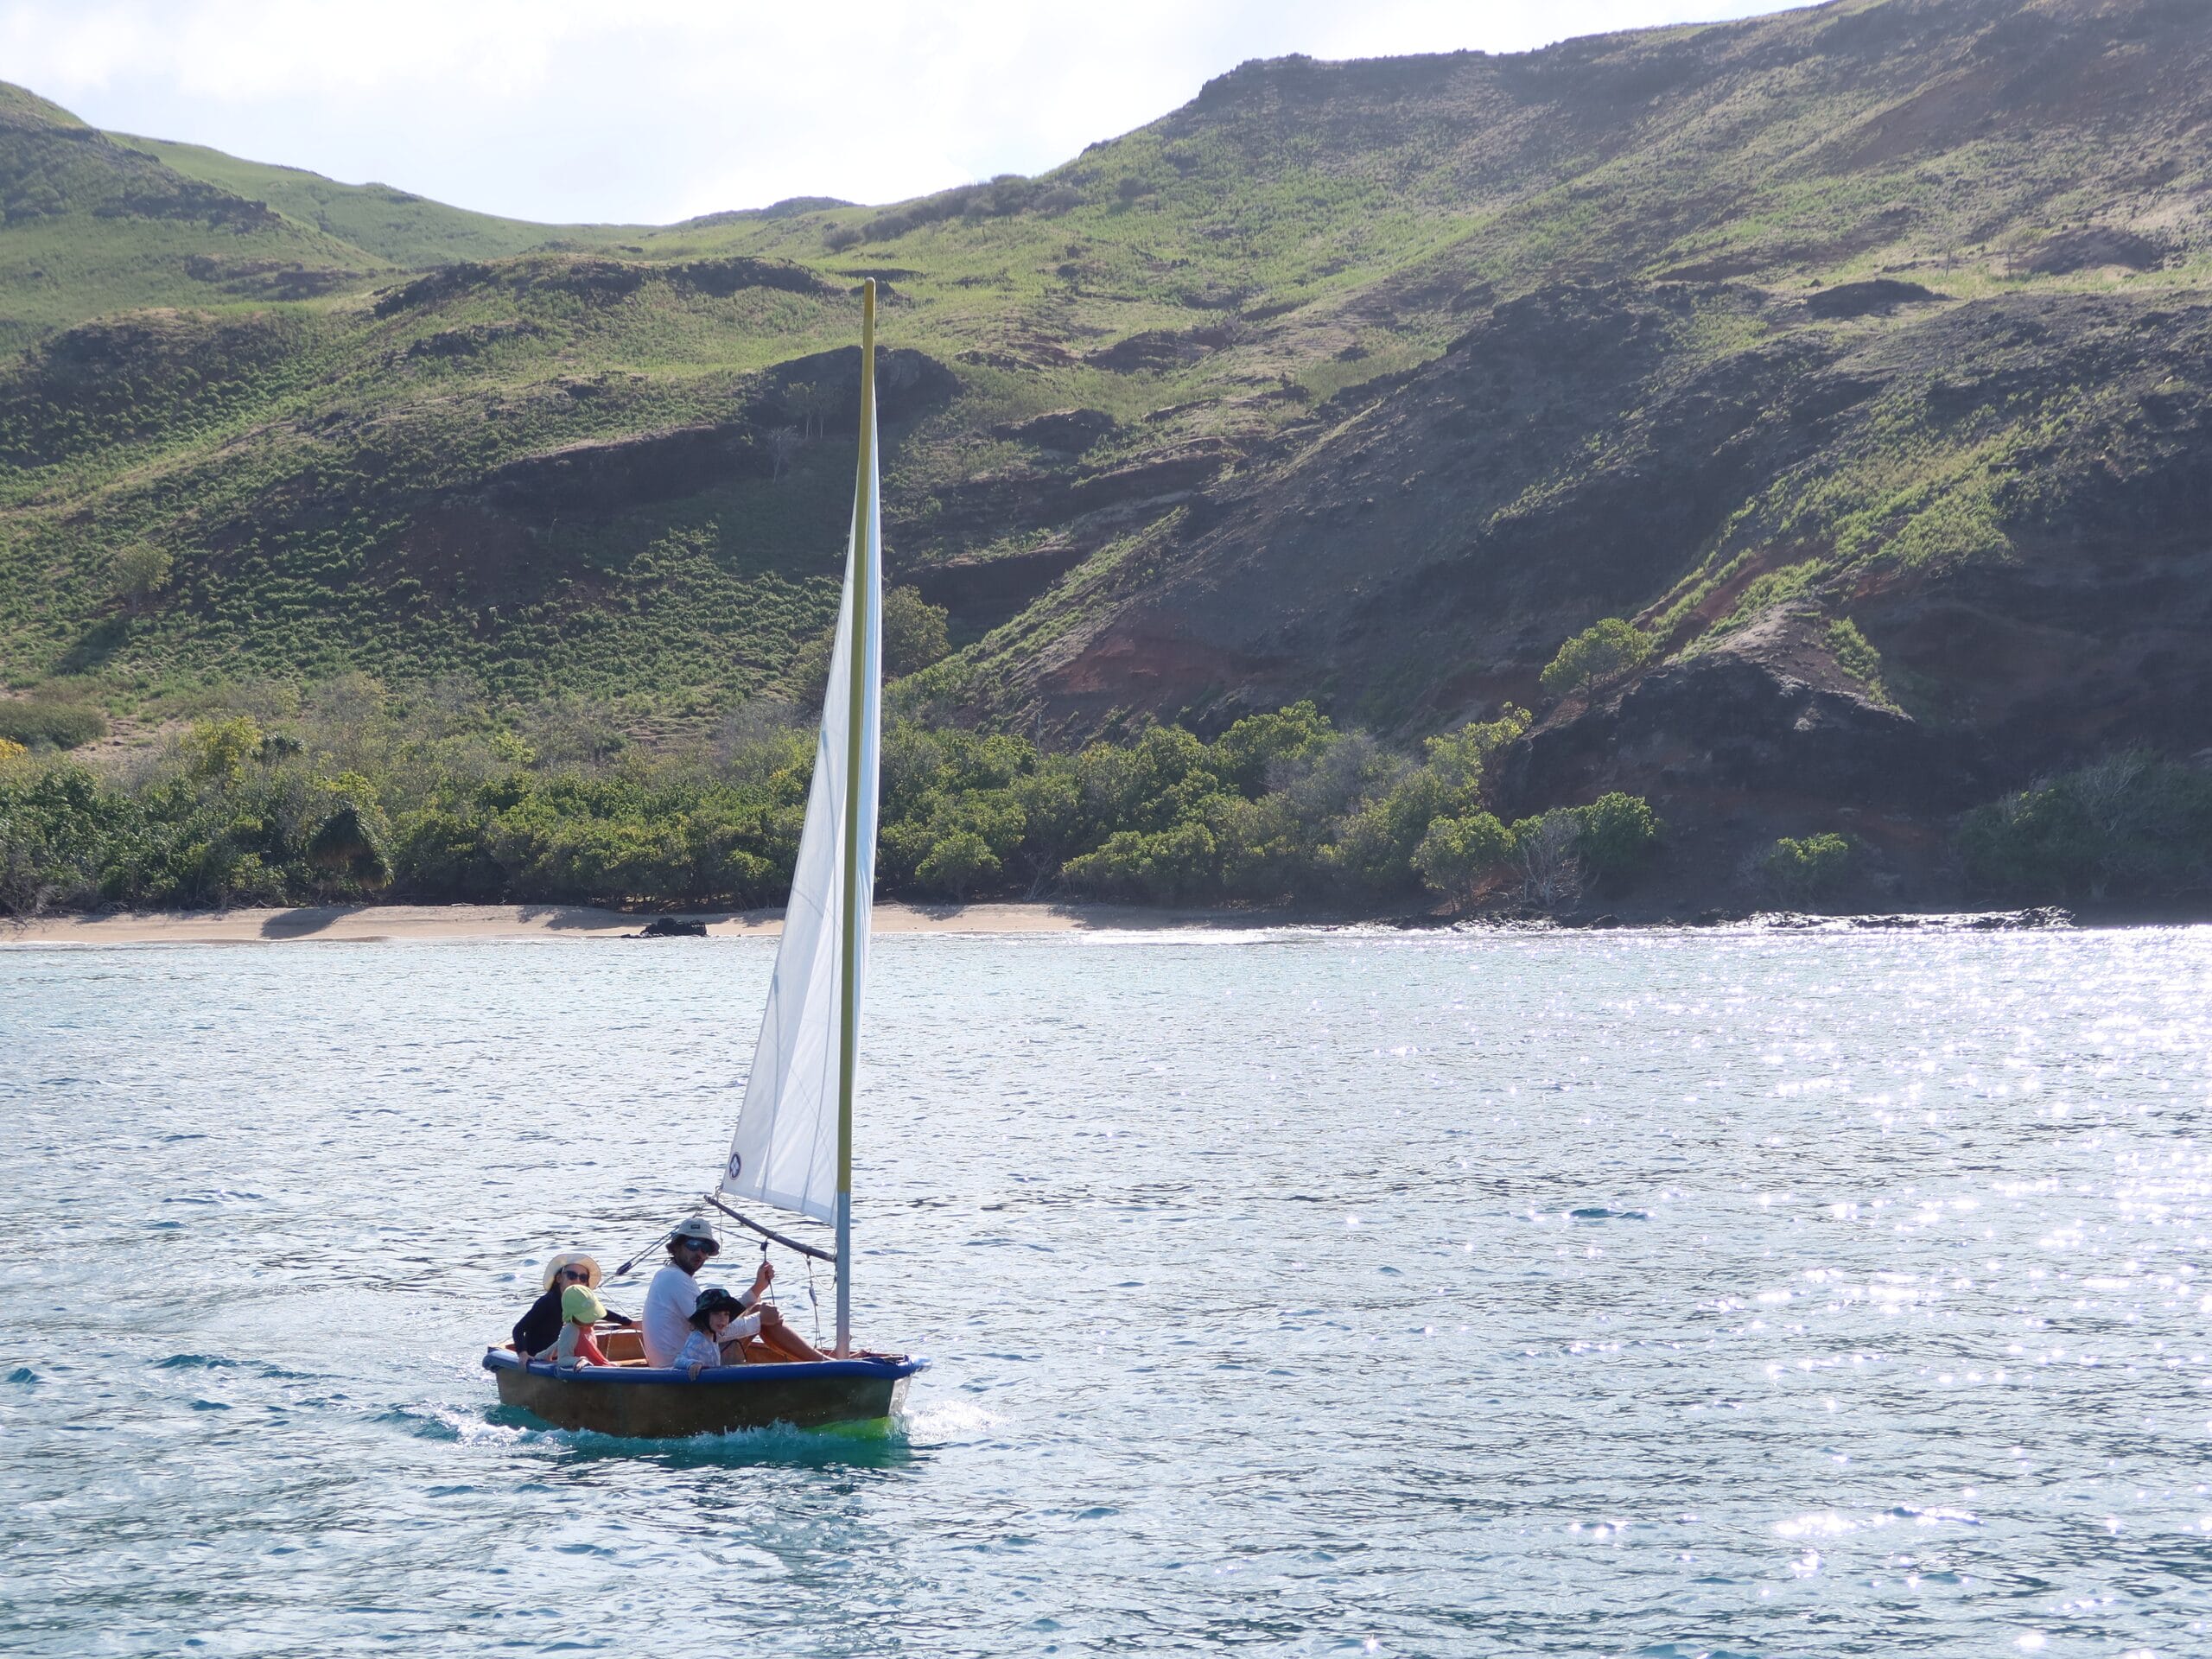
540	1328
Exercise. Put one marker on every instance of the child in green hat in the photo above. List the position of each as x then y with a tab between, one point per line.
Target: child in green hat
581	1309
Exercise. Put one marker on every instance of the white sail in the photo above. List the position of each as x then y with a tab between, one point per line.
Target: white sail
787	1151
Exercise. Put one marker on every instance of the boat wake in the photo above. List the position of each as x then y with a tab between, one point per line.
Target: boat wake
882	1444
943	1422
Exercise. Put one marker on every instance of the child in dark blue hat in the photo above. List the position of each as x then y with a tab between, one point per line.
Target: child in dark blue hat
719	1318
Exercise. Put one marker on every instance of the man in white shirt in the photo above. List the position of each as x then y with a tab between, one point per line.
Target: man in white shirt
670	1299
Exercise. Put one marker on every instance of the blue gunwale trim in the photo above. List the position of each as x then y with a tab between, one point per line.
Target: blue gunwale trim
499	1360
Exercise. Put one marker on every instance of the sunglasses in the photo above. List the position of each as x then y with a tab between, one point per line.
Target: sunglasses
707	1245
576	1273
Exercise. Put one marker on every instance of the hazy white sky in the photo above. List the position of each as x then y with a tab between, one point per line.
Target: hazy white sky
649	111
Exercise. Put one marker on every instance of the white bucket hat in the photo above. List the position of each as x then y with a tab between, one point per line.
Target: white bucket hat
696	1227
569	1259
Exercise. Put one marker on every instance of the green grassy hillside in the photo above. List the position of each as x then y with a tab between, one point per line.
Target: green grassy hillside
1372	382
391	225
93	225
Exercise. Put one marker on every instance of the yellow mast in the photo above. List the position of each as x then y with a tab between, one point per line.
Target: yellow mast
863	634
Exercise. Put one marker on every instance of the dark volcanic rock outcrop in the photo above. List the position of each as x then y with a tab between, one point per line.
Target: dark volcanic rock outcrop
612	475
1763	712
1876	298
1160	348
1066	431
2099	245
598	279
1763	734
619	472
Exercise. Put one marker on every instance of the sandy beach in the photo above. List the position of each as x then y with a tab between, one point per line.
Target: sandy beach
361	923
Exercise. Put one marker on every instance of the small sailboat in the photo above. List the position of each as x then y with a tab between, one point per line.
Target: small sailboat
793	1147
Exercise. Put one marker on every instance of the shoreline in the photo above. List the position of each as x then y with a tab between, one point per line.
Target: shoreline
464	924
383	924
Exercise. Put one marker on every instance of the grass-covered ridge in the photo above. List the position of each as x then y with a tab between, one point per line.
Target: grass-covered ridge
391	225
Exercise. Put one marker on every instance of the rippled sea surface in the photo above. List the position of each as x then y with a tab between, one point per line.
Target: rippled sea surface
1653	1294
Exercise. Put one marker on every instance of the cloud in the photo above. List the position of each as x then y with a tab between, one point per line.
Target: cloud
655	110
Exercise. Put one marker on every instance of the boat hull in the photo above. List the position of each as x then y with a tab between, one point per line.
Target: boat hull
642	1403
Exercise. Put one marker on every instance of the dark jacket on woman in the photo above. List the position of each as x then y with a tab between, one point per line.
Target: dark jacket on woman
540	1328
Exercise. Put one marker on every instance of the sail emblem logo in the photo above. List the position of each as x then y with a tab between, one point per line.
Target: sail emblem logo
736	1165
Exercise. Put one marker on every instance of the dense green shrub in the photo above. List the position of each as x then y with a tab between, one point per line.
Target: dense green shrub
139	571
1603	652
63	725
50	847
914	636
957	864
1616	833
1457	854
2131	825
349	843
1804	871
1161	867
1555	855
191	837
914	633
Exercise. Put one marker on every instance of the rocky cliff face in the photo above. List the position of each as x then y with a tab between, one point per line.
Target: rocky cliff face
2010	499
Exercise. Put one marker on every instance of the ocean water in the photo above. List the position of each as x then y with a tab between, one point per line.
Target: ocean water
1632	1293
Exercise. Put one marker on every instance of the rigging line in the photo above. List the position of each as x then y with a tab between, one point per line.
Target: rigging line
752	1225
645	1250
660	1237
